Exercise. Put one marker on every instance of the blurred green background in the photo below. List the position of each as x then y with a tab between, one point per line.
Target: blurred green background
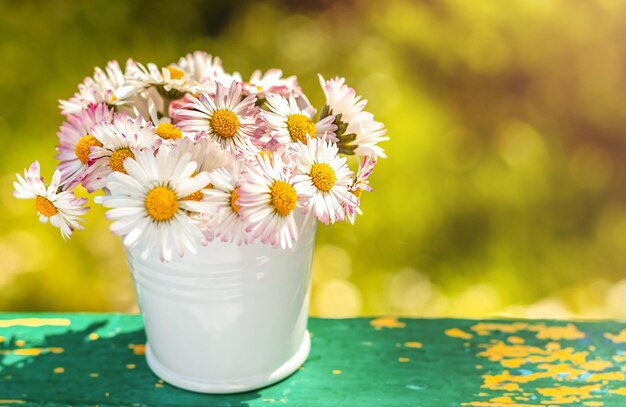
503	193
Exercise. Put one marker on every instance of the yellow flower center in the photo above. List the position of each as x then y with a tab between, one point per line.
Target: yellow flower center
234	195
283	197
168	131
175	73
161	203
44	206
299	126
117	159
224	123
83	147
323	176
357	193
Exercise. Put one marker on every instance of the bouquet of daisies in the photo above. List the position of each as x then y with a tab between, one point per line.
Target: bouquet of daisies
189	153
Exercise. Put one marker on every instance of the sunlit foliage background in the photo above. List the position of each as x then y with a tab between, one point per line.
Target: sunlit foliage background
503	193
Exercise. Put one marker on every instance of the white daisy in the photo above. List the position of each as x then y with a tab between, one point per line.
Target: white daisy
360	184
357	131
104	87
224	193
224	118
75	142
206	71
368	136
267	199
62	209
170	81
206	153
121	139
201	67
288	121
325	177
261	84
209	156
149	207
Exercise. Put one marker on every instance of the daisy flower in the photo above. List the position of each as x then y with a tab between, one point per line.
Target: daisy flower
357	131
75	142
368	136
361	184
261	84
288	122
201	67
206	153
165	128
206	71
101	88
121	139
170	81
62	209
325	177
267	199
148	206
209	156
224	193
225	118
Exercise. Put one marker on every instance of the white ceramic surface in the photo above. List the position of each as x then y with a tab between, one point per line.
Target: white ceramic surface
229	319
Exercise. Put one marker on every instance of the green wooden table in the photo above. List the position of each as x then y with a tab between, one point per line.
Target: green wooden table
98	359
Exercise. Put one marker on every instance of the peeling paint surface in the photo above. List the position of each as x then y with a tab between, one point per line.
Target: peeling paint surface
388	361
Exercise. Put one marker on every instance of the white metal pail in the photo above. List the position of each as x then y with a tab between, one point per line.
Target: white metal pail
230	318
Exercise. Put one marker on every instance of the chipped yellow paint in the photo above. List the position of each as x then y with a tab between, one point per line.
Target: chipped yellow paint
568	332
59	370
138	349
336	371
403	360
522	398
551	361
485	328
608	376
94	375
413	344
131	366
512	356
498	404
555	333
93	336
619	358
619	338
621	391
30	351
12	401
596	365
503	399
386	322
568	394
458	333
34	322
20	342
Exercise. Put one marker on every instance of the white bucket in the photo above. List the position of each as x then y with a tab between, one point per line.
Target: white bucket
229	319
